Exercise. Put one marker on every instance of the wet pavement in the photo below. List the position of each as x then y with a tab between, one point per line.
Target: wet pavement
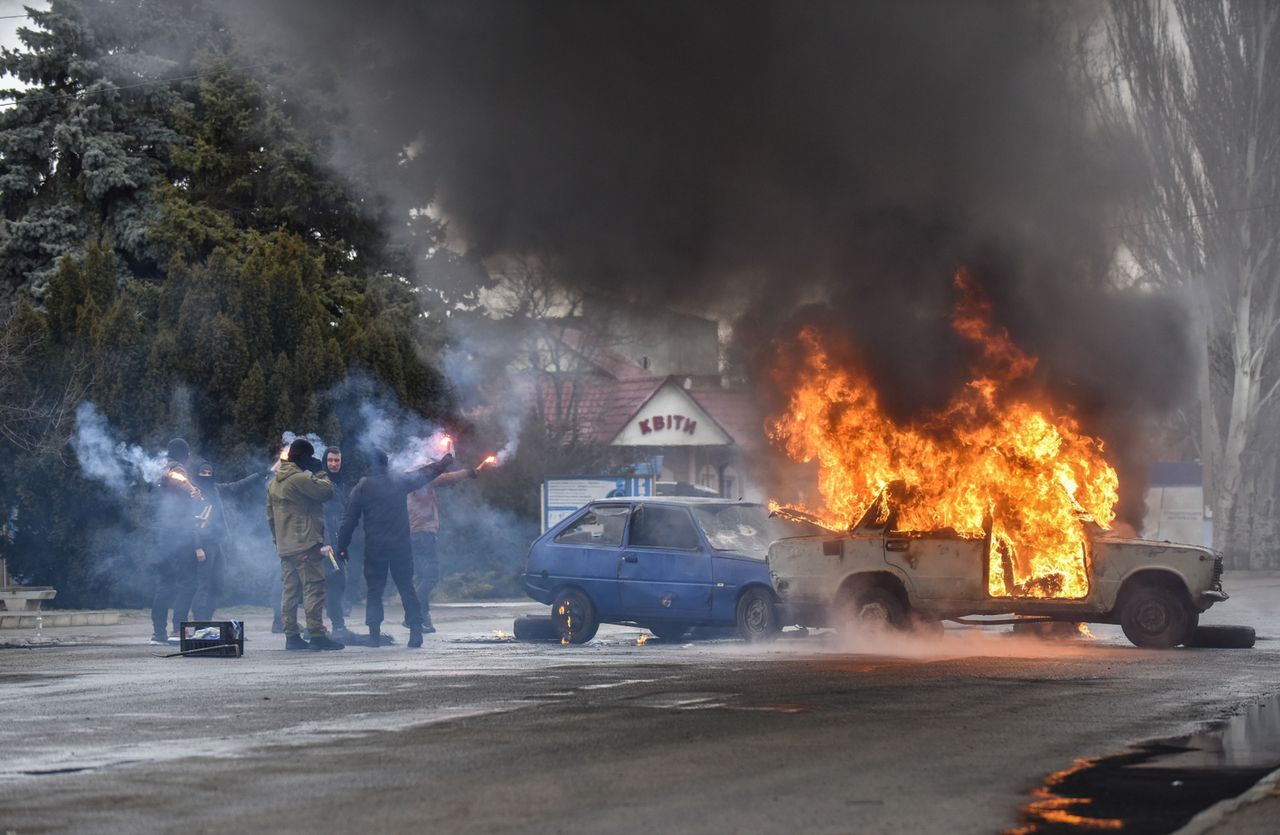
476	732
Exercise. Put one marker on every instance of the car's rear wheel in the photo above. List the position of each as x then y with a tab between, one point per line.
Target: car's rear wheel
574	616
1155	617
873	609
757	618
671	632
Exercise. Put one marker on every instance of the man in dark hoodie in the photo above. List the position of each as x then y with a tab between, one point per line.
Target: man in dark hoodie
379	500
213	534
178	505
295	514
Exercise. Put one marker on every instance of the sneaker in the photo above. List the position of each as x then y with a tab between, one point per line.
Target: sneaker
427	629
296	642
174	639
387	640
345	635
325	642
159	640
373	639
415	638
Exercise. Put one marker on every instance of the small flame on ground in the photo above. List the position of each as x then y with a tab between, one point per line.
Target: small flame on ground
500	635
1083	629
643	639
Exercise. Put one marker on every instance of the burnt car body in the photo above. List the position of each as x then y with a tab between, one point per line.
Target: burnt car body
667	564
874	574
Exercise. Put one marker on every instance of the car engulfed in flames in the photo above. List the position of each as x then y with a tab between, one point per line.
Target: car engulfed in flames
997	502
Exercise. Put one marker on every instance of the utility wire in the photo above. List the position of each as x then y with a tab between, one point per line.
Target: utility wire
153	82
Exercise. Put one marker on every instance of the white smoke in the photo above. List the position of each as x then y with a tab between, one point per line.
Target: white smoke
316	441
106	460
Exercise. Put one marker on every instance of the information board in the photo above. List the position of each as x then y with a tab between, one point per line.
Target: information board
562	495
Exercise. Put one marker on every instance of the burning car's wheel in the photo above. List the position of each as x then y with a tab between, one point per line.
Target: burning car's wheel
757	619
574	616
873	608
1155	617
670	631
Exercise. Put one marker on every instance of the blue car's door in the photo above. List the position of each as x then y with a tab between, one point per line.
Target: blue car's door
664	569
587	552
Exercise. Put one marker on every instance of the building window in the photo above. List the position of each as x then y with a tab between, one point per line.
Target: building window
730	483
709	477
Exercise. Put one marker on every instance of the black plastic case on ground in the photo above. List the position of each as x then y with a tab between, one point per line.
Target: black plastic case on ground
218	638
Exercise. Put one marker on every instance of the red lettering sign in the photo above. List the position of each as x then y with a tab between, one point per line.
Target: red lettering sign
659	423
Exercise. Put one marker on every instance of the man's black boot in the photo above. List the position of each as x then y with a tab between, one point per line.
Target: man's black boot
325	642
374	638
415	638
296	642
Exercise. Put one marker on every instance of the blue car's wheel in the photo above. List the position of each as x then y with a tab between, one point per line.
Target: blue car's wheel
574	616
757	619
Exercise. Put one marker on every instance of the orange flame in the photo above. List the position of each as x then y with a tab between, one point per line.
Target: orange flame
990	464
182	479
642	640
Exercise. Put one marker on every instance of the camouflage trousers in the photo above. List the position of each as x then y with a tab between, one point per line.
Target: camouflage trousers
303	578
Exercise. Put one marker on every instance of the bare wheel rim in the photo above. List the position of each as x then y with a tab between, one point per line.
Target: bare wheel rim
874	614
570	615
757	615
1152	618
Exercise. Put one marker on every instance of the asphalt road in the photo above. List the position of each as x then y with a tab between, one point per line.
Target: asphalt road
477	733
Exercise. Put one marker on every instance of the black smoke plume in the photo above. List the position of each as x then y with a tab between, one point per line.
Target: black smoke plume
827	162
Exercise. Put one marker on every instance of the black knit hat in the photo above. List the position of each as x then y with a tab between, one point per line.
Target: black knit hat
179	450
379	459
300	450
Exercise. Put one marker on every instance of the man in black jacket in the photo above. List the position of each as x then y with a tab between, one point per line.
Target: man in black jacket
379	500
213	534
335	580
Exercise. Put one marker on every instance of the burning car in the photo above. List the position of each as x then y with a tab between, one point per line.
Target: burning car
878	575
667	564
996	501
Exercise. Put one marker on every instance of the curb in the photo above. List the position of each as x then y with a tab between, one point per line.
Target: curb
1220	811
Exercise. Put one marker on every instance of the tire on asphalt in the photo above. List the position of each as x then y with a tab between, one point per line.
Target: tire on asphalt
670	632
1222	637
1155	617
573	616
873	608
756	615
535	628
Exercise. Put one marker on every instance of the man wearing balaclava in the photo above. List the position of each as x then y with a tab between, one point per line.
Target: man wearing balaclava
295	514
213	537
177	507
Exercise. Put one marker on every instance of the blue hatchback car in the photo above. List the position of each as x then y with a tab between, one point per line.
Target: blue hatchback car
667	564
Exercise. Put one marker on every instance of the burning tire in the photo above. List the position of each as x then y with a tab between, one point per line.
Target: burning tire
1155	617
757	618
670	632
873	608
1222	637
574	617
